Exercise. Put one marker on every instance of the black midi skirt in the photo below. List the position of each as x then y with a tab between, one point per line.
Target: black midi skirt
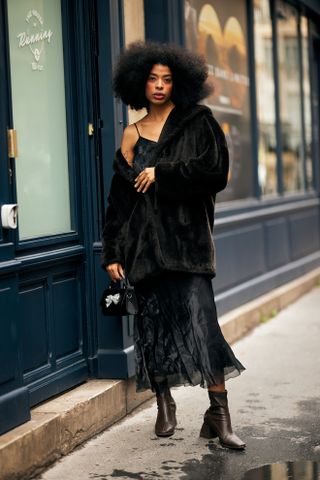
177	335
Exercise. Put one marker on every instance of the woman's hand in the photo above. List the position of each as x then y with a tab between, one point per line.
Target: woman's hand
144	180
115	272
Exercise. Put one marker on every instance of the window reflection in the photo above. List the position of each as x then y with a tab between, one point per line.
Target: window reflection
267	168
307	101
290	99
218	30
302	470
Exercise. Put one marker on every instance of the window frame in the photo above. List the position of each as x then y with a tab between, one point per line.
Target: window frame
279	159
70	75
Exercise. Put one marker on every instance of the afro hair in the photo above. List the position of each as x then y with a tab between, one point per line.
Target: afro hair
189	74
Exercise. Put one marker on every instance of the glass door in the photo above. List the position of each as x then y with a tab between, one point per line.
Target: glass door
44	104
39	117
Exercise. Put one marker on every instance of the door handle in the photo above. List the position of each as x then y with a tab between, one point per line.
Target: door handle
12	143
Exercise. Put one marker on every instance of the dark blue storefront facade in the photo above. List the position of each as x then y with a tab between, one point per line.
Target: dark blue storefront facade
52	335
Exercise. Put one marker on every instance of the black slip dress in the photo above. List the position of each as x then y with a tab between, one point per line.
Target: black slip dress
176	333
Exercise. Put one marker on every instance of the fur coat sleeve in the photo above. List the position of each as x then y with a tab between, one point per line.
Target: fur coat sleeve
120	200
200	170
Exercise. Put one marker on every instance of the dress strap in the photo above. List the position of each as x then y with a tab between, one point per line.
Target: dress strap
137	129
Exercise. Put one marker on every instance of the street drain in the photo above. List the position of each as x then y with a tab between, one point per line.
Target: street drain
303	470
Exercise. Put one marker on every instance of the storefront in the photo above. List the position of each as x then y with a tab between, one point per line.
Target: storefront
51	166
263	59
56	59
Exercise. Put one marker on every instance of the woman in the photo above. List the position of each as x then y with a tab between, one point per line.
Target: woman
158	231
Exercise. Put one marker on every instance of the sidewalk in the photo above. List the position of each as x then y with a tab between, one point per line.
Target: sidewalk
275	407
61	424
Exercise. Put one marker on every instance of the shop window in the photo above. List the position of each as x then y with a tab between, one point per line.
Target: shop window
267	158
290	98
291	54
304	28
218	30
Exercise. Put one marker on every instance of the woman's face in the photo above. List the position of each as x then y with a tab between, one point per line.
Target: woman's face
159	85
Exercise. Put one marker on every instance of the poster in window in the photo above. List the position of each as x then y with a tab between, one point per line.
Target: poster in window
218	30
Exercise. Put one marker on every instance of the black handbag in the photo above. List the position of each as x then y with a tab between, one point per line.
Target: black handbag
119	300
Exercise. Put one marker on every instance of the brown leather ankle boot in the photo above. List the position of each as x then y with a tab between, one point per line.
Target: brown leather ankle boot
217	422
166	418
173	407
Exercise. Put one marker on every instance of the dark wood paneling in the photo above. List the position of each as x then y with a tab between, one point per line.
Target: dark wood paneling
66	303
277	243
8	340
259	251
14	400
34	325
240	255
51	317
304	233
14	409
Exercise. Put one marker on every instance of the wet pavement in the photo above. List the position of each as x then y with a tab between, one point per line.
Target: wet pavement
303	470
275	408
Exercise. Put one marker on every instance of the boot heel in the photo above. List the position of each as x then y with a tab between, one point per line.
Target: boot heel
207	432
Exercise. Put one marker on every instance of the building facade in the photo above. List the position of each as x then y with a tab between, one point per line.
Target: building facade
59	127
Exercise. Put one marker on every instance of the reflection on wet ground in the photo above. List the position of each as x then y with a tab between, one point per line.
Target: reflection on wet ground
303	470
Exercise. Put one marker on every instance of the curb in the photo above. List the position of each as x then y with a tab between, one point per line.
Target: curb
61	424
242	320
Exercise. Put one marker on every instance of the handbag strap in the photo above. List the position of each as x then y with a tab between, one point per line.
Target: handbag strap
125	282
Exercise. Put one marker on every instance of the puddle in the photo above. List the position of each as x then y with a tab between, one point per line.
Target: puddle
303	470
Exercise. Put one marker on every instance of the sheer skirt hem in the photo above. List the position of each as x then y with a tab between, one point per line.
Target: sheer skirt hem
177	334
182	379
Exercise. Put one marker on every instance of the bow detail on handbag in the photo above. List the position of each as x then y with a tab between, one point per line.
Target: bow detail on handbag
112	298
119	300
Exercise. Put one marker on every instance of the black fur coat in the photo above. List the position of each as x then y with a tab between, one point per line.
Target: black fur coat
170	226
